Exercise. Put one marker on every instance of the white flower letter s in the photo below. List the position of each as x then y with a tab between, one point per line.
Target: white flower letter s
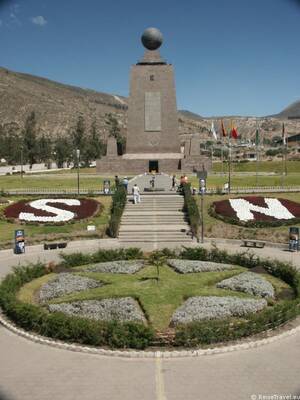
59	214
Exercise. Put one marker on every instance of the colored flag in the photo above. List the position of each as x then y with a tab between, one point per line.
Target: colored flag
257	138
223	129
283	135
213	131
233	131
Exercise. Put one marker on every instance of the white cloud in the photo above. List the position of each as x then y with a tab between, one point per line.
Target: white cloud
39	20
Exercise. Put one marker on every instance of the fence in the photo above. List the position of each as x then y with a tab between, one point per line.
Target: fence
93	191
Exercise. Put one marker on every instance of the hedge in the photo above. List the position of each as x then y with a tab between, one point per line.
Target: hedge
191	207
77	259
117	208
215	331
67	328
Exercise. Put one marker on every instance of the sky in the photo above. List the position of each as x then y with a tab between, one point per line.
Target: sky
231	57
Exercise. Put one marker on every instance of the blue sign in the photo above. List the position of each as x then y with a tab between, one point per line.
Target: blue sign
19	242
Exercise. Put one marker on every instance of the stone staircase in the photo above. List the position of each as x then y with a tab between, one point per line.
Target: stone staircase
158	218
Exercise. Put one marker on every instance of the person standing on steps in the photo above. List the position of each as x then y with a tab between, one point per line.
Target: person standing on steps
136	194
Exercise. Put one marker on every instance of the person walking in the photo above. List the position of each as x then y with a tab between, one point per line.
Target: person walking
117	181
136	194
125	183
174	182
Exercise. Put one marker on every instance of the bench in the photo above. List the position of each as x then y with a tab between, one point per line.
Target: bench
253	243
54	246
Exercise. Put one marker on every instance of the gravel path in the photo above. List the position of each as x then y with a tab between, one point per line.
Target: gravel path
123	309
189	266
117	267
211	307
249	282
66	283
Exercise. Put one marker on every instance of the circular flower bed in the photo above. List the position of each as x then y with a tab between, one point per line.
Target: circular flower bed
257	211
52	210
127	310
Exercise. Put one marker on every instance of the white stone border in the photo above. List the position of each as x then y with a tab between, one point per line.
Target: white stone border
142	353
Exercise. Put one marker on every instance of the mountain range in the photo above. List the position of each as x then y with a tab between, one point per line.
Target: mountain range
57	107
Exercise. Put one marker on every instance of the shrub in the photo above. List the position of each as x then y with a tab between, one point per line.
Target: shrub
191	207
117	208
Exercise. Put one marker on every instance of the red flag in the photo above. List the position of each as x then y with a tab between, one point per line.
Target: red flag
223	129
234	133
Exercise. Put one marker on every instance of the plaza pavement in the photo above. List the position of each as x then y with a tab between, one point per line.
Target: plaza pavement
31	371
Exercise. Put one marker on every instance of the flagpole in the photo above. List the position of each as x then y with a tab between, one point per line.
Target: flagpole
257	154
229	163
222	155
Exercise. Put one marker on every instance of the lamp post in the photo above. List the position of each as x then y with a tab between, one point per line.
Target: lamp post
78	161
22	163
202	192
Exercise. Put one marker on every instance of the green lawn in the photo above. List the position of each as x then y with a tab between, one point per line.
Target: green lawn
159	299
216	228
89	179
263	166
37	233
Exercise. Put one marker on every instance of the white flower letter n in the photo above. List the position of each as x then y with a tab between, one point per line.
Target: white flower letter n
59	214
275	209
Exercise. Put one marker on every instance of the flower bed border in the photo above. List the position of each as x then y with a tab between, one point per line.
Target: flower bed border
97	213
250	224
134	335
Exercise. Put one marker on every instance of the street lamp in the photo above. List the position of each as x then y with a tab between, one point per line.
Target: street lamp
78	161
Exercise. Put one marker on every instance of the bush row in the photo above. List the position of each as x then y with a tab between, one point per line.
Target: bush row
77	259
191	208
208	332
117	208
68	328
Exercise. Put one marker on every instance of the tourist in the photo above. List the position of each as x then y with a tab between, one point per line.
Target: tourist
125	183
174	182
152	182
117	181
185	179
136	194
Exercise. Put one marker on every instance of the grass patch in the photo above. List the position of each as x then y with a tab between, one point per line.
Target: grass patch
159	299
28	292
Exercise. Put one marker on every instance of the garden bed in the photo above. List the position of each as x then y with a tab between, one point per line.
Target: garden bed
201	312
256	211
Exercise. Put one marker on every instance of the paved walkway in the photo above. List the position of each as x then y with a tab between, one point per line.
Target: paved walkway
30	371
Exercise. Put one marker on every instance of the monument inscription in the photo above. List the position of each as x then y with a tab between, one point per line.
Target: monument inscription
152	112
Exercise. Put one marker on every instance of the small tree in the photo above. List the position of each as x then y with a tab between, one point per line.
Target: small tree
158	259
94	147
62	151
29	139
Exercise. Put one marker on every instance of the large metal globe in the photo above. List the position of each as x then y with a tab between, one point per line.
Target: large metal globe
152	38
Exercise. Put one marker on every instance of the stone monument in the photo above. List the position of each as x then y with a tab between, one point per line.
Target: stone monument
152	142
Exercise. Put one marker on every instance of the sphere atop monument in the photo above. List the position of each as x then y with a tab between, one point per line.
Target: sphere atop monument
152	38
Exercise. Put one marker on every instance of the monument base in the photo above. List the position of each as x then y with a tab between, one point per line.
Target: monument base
137	164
